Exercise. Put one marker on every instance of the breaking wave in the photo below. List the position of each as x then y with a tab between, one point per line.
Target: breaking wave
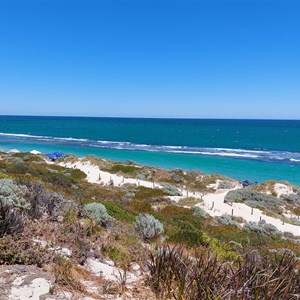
257	154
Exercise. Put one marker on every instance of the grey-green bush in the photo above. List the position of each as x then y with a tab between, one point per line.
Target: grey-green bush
13	195
148	227
171	191
199	212
263	228
225	185
227	220
253	198
97	212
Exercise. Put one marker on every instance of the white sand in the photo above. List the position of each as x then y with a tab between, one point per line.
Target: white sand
283	189
109	271
32	291
213	203
95	175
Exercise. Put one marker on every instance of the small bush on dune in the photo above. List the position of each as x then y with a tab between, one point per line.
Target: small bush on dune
171	191
172	210
148	227
115	253
225	185
263	228
139	206
97	212
118	212
188	201
126	169
13	195
67	274
199	212
292	198
142	193
227	220
47	202
187	234
22	250
254	198
11	220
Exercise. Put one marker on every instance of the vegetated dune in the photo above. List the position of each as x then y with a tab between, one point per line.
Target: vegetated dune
88	228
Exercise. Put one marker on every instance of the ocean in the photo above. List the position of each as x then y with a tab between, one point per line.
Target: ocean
255	150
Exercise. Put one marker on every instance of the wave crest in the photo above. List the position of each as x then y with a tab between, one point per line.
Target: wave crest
262	155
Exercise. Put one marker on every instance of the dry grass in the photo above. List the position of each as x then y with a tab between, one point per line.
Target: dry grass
177	276
189	201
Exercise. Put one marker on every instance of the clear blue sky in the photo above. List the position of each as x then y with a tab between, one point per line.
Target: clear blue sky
202	59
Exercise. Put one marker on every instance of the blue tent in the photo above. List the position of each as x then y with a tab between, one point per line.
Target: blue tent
54	155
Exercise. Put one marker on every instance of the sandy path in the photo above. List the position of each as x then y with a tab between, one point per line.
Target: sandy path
95	175
213	204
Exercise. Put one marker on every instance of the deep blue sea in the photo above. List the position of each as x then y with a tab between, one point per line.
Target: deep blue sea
256	150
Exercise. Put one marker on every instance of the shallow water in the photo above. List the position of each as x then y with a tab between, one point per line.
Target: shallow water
256	150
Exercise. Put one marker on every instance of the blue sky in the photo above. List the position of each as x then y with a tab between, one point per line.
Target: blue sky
199	59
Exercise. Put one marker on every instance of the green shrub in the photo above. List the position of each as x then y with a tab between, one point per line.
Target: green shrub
139	206
3	176
97	212
171	210
146	193
187	234
116	211
115	253
148	227
124	169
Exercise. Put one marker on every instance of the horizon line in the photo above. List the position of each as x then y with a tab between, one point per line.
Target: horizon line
141	117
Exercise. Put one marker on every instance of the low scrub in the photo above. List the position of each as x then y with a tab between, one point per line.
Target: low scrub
126	169
171	191
263	228
148	227
255	199
199	212
21	250
118	212
97	212
12	221
189	201
13	195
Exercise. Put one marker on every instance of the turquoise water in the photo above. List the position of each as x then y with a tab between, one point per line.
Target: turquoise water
256	150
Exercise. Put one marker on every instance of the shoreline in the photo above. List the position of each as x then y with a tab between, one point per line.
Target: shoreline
235	168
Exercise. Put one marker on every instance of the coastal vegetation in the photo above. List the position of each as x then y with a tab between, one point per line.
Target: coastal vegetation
52	217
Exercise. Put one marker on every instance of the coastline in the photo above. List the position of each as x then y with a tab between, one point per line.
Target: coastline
236	168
